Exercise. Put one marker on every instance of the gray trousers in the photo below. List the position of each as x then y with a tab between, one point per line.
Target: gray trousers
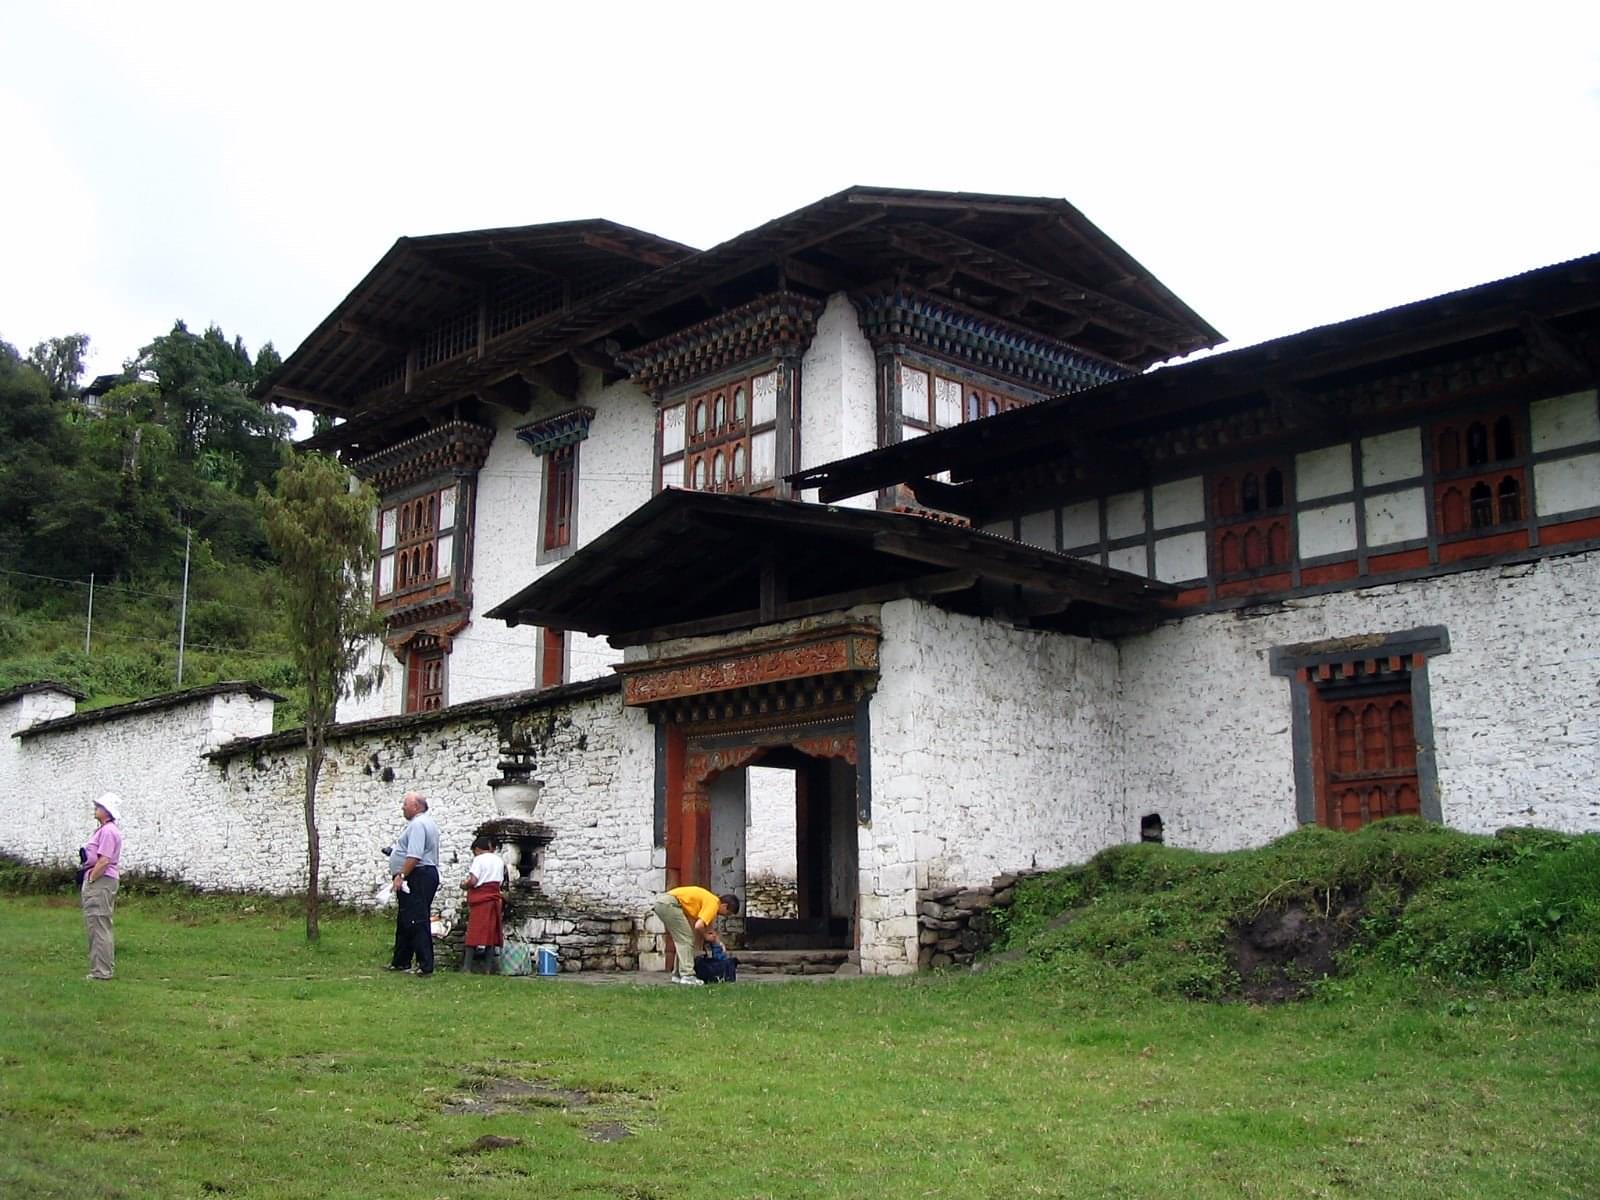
678	928
99	902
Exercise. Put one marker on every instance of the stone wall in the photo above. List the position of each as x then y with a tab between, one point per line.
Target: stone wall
993	749
211	799
1206	727
956	924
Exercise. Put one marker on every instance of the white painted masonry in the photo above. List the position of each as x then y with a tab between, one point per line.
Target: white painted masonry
993	748
1516	709
838	393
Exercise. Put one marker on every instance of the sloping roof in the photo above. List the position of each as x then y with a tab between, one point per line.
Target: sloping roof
1038	262
696	557
1097	422
424	279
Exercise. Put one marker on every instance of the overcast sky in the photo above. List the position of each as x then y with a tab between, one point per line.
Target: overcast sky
1278	166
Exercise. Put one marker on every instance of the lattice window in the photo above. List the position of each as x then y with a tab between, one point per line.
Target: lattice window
425	677
1251	508
452	337
723	439
1479	479
560	497
416	538
1366	744
524	299
930	400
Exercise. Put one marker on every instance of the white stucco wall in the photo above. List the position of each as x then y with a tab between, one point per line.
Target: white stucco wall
238	825
838	393
993	748
1206	727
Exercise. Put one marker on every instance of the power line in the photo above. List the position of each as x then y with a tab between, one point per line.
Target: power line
119	587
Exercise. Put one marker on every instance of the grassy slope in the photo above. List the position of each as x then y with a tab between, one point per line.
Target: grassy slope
230	1059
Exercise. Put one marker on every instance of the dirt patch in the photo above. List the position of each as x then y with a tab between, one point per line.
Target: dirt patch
606	1131
507	1095
1280	952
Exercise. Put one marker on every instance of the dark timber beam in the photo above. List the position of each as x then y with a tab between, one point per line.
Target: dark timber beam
557	376
1555	351
391	337
1133	594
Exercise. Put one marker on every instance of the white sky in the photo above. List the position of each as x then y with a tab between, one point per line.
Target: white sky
1278	165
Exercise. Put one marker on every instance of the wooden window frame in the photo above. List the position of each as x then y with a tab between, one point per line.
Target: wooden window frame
1500	474
558	502
419	561
989	401
426	677
552	657
721	449
1259	515
1308	665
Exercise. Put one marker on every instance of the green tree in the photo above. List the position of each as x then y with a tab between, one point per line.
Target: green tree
60	361
322	532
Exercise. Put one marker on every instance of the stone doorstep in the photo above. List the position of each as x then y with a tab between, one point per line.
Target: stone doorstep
790	962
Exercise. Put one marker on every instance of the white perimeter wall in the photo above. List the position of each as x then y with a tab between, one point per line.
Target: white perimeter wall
239	825
838	394
993	748
1516	709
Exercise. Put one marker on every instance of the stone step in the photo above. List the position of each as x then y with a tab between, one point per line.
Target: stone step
790	962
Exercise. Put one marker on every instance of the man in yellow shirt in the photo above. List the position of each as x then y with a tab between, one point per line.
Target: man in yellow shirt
690	913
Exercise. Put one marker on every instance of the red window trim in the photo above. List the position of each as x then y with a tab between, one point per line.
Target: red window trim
560	492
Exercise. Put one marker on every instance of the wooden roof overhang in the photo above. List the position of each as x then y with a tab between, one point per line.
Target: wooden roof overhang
1528	334
690	563
1038	263
422	280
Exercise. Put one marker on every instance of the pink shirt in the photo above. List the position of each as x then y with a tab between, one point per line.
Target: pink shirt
106	843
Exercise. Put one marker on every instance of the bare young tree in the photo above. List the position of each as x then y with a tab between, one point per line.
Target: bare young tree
321	529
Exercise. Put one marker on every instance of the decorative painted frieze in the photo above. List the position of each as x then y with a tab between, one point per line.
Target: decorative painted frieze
903	318
552	433
782	323
828	652
453	446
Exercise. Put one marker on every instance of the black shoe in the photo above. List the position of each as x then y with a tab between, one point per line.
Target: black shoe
423	974
392	967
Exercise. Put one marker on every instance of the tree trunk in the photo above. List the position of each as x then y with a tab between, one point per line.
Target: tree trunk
313	845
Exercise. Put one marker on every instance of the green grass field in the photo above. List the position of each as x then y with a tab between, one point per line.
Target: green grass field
229	1059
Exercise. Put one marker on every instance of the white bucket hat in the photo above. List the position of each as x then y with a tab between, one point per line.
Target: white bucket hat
111	802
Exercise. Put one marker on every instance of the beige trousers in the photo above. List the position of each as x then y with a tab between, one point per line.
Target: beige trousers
682	933
99	901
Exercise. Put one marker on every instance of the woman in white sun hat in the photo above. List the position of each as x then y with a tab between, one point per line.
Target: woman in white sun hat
101	855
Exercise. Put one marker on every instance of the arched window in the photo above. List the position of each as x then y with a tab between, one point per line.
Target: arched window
974	406
1274	497
1477	444
427	561
699	418
1255	548
1510	497
1250	494
718	467
738	465
699	474
993	407
1505	441
1482	505
1228	550
739	405
719	412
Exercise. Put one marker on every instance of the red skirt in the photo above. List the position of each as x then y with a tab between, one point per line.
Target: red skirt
483	916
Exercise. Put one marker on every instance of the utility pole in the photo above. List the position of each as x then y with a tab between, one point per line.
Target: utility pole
88	623
183	608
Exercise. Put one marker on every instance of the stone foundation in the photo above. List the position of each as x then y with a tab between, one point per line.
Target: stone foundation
771	897
956	924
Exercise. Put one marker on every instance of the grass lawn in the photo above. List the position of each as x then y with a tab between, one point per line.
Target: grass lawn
229	1059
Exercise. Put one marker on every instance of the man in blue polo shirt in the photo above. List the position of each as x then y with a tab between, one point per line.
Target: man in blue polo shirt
414	863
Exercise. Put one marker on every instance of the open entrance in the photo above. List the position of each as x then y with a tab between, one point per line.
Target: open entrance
778	824
783	839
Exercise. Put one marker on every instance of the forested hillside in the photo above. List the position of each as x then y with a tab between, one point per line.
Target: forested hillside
99	494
